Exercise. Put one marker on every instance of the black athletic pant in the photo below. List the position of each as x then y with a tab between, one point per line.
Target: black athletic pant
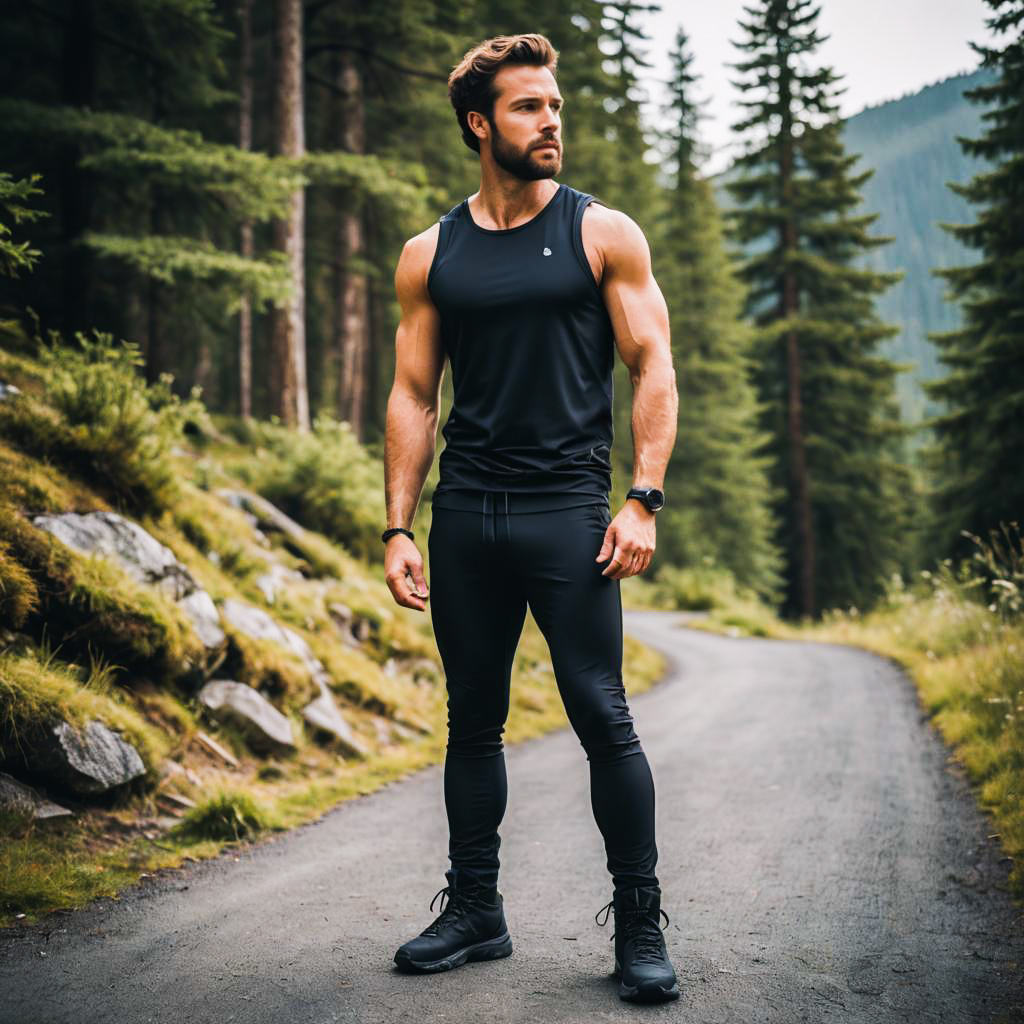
485	567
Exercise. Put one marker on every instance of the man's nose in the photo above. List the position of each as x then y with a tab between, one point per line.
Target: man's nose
551	122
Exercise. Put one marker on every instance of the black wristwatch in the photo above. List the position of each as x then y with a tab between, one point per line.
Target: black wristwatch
652	497
388	534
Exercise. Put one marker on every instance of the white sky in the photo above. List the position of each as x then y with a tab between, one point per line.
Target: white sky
881	49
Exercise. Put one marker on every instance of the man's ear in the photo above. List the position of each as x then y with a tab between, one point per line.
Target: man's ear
477	124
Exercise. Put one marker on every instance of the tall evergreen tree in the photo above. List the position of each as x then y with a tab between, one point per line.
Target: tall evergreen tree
977	461
717	478
827	396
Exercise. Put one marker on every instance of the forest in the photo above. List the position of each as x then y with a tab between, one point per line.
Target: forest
202	206
228	186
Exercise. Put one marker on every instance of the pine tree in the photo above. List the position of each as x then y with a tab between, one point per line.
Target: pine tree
827	397
719	510
977	460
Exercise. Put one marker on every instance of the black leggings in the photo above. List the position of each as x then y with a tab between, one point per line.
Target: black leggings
485	568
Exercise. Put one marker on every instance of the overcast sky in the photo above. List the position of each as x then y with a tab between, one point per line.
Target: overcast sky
881	49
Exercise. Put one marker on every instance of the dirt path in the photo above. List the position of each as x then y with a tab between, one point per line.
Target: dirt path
820	861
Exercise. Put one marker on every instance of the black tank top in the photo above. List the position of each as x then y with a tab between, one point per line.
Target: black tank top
532	352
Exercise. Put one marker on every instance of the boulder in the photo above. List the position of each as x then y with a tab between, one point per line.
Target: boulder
87	760
325	715
275	577
257	623
144	558
139	553
8	391
205	618
264	726
16	796
262	513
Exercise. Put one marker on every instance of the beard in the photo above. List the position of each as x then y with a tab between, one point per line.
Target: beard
522	163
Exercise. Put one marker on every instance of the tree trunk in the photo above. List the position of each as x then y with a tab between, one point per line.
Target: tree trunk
290	395
78	87
790	306
351	332
245	142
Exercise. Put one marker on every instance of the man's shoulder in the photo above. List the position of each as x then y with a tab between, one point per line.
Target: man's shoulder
613	231
418	251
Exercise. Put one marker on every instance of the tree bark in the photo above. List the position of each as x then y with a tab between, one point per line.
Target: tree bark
245	143
351	332
790	306
290	394
78	88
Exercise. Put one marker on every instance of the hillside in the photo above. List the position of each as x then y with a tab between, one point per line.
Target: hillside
198	646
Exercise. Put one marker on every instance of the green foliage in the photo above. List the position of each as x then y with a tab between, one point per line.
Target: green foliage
15	256
88	603
263	282
100	420
326	480
230	814
250	184
827	398
18	595
999	562
36	690
976	460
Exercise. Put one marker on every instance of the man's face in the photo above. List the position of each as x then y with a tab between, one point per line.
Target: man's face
526	126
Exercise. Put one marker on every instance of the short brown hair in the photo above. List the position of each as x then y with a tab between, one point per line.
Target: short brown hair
471	83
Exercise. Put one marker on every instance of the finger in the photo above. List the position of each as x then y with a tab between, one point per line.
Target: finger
419	583
607	545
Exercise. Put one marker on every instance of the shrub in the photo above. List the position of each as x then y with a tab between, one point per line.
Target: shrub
326	480
99	420
230	814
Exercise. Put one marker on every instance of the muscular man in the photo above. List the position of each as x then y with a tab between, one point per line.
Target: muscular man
528	288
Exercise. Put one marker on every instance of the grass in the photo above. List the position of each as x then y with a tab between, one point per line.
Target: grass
36	689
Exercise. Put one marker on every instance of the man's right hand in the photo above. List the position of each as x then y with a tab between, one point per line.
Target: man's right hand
402	559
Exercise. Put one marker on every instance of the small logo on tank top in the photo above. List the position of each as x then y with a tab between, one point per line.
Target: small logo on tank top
547	251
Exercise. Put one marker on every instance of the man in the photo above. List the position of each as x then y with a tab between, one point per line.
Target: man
528	287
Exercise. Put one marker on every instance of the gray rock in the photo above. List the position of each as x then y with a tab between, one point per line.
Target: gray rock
138	552
16	796
325	715
264	514
8	391
205	618
271	582
145	559
257	623
88	760
264	726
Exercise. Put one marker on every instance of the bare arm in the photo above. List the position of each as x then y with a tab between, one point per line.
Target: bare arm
639	317
412	414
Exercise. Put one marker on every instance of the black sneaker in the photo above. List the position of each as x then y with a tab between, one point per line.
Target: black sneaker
642	965
471	926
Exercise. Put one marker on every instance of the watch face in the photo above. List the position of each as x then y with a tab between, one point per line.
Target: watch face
656	499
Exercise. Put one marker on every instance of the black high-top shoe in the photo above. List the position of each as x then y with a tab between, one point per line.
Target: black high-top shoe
471	926
642	965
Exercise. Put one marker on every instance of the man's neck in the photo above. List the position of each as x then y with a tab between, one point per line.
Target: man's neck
506	202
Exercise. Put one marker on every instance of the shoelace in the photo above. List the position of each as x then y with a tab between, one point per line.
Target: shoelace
647	941
453	905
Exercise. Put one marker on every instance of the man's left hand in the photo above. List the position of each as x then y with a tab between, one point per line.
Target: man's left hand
629	540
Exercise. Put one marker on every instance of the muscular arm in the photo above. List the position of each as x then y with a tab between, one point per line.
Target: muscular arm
621	261
640	319
412	413
415	399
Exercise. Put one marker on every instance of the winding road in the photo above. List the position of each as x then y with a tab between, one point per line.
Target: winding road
821	859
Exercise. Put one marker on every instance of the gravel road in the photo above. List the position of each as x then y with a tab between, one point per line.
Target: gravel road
820	858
